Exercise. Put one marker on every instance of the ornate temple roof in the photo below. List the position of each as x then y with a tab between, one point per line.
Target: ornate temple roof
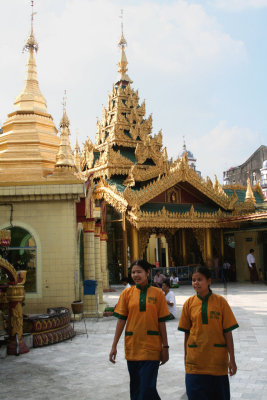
131	170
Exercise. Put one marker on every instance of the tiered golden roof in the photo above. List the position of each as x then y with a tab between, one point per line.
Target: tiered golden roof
123	142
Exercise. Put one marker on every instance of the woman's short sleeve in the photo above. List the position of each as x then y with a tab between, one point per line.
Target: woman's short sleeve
185	320
121	309
229	321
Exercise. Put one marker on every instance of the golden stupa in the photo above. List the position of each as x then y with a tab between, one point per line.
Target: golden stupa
28	142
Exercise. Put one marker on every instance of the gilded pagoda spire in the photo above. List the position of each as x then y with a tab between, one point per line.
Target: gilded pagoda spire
77	158
249	193
64	156
31	98
122	64
29	143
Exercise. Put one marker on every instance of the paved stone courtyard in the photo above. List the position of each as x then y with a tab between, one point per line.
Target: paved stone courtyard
79	369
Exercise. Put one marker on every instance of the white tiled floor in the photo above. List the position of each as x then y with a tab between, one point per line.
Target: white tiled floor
80	370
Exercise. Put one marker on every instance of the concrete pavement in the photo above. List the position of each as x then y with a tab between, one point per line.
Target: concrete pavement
80	368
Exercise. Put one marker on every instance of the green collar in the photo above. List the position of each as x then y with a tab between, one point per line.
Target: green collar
142	300
206	297
204	308
144	288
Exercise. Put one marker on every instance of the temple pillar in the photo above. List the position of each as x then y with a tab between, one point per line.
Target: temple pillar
209	258
125	246
89	249
15	295
104	259
184	251
89	301
98	270
135	250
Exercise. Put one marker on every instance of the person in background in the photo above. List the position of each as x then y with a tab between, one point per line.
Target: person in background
144	309
159	278
226	271
252	266
126	282
207	322
174	280
170	298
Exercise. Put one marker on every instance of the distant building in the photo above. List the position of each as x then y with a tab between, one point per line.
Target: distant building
249	169
264	179
191	159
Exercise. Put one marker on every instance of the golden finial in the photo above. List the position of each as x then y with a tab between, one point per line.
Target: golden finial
249	193
122	64
64	120
122	41
31	42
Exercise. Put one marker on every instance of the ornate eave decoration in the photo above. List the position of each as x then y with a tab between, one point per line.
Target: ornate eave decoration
181	172
191	219
246	217
111	195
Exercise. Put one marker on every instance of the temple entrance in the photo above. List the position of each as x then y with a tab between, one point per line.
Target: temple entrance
157	251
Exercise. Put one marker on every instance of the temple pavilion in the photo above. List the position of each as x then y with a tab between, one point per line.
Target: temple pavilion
152	207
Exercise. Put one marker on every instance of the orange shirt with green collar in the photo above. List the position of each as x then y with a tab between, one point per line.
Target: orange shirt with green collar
206	320
143	309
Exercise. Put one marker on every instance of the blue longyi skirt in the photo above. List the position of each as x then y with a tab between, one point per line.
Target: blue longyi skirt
207	387
143	380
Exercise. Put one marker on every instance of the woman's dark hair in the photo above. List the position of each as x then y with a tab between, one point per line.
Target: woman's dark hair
203	270
174	274
167	283
143	264
251	250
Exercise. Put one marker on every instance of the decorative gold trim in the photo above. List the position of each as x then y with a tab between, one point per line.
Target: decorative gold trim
111	195
9	268
181	172
190	219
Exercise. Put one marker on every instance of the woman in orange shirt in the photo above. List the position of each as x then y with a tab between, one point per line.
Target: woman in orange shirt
144	309
207	321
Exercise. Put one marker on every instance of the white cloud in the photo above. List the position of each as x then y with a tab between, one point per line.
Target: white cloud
239	5
223	147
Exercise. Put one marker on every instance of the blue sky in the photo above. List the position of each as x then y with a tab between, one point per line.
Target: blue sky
200	65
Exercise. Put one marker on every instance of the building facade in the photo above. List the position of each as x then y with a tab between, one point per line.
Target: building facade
251	169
